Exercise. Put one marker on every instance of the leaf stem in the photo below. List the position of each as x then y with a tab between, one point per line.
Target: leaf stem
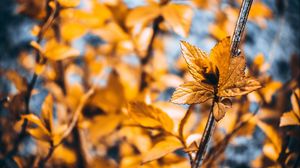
43	161
234	49
45	26
146	59
208	131
240	26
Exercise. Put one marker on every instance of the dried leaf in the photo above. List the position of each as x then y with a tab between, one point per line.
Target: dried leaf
39	134
42	130
220	56
289	119
150	116
271	133
179	17
47	113
142	15
219	111
163	147
195	59
241	87
69	3
55	51
192	92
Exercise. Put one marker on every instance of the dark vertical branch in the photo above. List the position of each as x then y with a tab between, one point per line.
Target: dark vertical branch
208	131
234	48
240	26
45	26
146	59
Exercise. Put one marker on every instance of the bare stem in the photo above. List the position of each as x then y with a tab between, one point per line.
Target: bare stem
240	26
208	131
234	48
45	26
43	161
146	59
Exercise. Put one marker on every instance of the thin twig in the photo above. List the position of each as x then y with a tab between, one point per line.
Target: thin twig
43	161
45	26
240	26
149	53
220	147
181	129
234	49
208	131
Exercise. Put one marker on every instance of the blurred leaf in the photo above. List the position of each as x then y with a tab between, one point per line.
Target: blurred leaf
219	111
41	132
272	134
47	113
56	51
142	15
69	3
19	81
179	17
161	148
192	92
149	116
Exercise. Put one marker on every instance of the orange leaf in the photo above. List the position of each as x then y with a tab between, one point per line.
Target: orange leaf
150	116
163	147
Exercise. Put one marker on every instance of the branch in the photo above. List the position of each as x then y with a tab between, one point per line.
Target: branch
146	59
240	26
208	131
234	48
220	147
45	26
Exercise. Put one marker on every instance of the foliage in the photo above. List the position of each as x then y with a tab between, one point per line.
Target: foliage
92	107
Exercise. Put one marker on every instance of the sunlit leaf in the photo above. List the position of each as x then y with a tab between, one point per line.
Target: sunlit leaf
179	17
56	51
142	15
161	148
69	3
47	113
192	93
149	116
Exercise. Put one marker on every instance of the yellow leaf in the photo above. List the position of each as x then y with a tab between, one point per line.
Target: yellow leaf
220	55
39	68
167	145
142	15
196	60
179	17
150	116
192	92
65	154
295	102
270	89
271	133
241	87
69	3
19	81
47	113
41	130
111	33
72	30
218	75
111	98
289	119
55	51
39	134
219	111
102	125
